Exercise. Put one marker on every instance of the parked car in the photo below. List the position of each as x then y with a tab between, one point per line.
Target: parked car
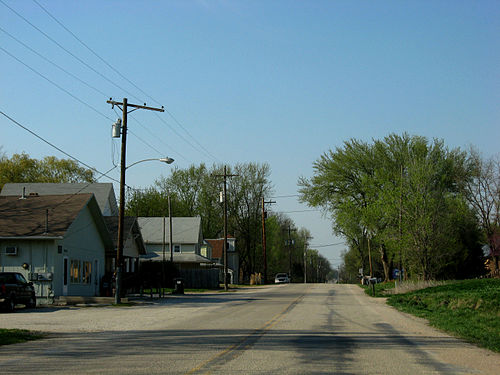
281	278
14	289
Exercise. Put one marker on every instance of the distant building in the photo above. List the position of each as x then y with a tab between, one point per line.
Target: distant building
187	242
217	255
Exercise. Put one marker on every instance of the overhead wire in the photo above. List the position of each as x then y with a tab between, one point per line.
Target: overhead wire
207	152
55	84
56	147
65	71
181	136
67	51
53	63
92	51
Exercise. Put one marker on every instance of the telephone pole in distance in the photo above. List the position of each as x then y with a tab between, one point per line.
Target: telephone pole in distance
264	252
225	175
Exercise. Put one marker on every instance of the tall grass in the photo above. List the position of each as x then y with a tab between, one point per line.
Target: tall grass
411	286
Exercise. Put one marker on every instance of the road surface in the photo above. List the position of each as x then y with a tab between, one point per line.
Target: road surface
279	329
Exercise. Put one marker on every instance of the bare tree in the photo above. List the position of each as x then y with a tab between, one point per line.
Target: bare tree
483	194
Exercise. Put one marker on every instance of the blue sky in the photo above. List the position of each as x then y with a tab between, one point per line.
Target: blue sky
264	81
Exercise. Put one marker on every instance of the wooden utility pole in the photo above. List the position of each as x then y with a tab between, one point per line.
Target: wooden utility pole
305	258
290	244
225	175
121	211
170	234
264	252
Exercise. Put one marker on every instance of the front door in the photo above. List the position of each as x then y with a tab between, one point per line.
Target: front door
65	276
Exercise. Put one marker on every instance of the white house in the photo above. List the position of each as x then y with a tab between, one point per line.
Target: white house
56	241
187	240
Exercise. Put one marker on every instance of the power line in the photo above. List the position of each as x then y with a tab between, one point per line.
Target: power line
53	63
128	80
91	50
56	147
55	84
72	95
159	139
329	245
198	143
183	138
297	211
67	51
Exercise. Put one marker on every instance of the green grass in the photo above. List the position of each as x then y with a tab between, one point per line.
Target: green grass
469	309
15	336
380	288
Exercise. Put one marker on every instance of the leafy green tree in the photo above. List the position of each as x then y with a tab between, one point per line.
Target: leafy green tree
245	194
400	196
195	191
22	168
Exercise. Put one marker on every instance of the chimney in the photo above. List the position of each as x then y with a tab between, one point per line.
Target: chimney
23	196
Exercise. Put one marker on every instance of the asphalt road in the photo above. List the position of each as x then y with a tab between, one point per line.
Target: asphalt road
285	329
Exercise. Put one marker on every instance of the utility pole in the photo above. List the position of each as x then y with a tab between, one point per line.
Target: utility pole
305	259
170	234
225	175
290	244
163	261
400	224
264	253
121	211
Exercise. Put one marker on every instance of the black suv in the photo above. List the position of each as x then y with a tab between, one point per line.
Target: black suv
15	289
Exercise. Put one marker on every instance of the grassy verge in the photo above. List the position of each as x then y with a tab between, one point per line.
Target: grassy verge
393	287
15	336
469	309
381	289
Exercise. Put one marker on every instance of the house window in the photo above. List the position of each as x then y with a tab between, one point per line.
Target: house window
177	248
86	272
80	272
74	271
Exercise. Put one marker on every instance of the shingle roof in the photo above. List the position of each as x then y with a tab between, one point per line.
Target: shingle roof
27	217
104	192
184	229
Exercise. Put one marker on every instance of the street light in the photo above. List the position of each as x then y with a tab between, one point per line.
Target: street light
121	215
163	160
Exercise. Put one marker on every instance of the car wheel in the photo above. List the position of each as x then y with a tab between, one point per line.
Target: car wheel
32	302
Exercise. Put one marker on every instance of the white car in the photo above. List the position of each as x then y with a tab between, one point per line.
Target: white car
281	278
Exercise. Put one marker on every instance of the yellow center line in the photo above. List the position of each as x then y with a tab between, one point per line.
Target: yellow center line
265	327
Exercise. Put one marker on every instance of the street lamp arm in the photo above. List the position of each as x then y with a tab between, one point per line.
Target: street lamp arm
163	160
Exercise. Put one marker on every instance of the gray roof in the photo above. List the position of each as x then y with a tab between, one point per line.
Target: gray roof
185	230
104	192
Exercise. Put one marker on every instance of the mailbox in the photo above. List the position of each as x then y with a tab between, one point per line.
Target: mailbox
47	276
